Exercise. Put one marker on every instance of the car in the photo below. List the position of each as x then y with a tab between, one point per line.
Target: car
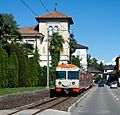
113	85
100	84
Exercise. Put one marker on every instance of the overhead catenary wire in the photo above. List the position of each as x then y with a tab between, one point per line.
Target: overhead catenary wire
44	6
29	7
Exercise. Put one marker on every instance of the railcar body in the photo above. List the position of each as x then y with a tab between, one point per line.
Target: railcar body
69	79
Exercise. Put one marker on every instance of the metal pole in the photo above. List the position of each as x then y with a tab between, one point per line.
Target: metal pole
47	58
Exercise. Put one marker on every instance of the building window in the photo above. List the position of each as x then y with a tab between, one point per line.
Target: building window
50	28
56	29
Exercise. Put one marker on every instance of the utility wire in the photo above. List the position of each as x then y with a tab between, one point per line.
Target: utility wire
44	6
36	13
28	7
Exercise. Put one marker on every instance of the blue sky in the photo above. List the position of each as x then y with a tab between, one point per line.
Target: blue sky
96	22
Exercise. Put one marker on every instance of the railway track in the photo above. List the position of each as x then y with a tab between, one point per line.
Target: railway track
58	103
41	106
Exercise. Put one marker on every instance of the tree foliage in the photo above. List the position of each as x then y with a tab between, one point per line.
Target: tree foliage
56	46
32	72
12	70
27	48
3	68
73	45
93	62
42	79
75	60
16	69
22	63
8	29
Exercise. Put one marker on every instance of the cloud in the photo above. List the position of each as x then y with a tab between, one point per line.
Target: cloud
112	62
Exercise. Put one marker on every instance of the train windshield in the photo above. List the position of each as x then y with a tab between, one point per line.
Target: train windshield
60	75
73	74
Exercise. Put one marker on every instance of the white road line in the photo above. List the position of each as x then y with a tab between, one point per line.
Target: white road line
113	94
73	105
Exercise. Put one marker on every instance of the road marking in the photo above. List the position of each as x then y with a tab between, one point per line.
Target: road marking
113	94
73	105
117	99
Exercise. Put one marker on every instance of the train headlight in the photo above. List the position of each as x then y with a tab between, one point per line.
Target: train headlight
73	83
59	83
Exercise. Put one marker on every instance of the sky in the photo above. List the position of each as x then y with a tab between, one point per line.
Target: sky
96	22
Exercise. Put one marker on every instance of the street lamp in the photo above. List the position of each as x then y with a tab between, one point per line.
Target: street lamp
48	58
50	31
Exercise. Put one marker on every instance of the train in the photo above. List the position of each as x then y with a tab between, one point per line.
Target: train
71	80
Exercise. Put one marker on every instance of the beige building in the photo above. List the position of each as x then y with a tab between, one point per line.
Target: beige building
81	53
38	35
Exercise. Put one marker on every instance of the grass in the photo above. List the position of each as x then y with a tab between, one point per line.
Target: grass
5	91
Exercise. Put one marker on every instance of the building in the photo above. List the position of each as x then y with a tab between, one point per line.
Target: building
109	73
81	53
31	35
38	35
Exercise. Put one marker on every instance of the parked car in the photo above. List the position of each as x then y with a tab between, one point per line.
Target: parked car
113	85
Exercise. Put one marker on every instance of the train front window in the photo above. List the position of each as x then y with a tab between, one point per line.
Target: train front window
60	75
73	74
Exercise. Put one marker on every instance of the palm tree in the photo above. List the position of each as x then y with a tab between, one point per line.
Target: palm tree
56	46
27	48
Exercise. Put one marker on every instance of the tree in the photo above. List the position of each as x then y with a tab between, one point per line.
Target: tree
12	70
89	60
93	62
101	67
75	60
73	45
3	68
22	63
27	48
8	29
32	71
56	46
42	80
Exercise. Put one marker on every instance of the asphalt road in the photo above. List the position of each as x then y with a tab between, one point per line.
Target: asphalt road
100	101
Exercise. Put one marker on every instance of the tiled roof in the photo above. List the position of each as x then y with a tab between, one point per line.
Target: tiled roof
79	46
29	30
93	70
55	15
109	67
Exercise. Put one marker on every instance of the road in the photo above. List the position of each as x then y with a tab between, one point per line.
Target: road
100	101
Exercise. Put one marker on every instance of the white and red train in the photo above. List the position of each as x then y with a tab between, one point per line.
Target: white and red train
70	79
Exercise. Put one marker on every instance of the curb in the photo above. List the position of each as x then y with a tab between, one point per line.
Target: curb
75	104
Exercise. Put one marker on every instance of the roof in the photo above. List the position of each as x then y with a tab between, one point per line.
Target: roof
109	67
30	31
55	15
67	66
93	70
79	46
